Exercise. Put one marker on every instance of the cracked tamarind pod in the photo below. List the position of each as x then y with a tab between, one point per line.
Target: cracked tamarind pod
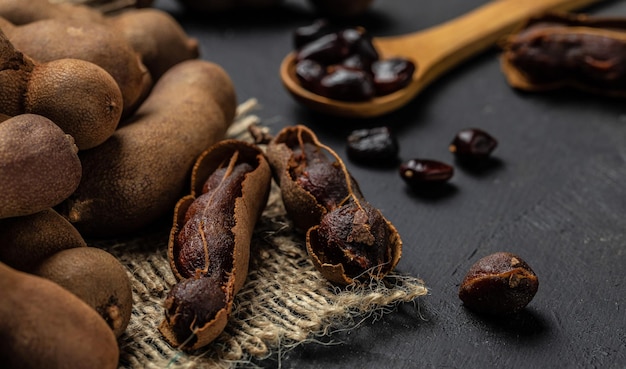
560	50
347	238
209	245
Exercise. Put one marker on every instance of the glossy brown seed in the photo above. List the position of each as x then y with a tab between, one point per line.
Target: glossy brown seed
418	172
347	84
391	75
310	74
472	144
360	43
499	283
373	146
328	49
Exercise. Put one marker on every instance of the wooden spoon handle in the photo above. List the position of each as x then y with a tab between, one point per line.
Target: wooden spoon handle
438	49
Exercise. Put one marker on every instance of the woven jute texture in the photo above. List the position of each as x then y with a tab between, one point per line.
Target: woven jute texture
285	301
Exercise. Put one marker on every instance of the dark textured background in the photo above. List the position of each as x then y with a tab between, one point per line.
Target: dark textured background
554	195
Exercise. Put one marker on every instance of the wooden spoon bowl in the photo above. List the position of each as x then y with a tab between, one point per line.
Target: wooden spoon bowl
434	51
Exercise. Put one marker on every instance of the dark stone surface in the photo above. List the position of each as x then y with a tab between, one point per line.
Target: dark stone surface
554	194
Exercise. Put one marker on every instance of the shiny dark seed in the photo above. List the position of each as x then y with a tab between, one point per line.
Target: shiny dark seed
347	84
423	171
373	146
499	283
328	49
310	73
391	75
473	144
360	43
306	34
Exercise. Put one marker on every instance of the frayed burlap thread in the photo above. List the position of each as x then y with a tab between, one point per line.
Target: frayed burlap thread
284	303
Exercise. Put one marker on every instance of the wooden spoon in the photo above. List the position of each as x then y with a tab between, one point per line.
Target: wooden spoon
434	51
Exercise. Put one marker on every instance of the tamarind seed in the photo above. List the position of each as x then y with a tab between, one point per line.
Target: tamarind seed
360	43
499	283
328	49
310	74
375	145
391	75
417	172
347	84
472	144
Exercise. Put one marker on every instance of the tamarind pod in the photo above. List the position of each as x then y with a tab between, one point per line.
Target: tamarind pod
39	165
346	237
137	176
153	33
42	325
209	245
97	277
78	96
157	37
27	240
52	39
554	51
21	12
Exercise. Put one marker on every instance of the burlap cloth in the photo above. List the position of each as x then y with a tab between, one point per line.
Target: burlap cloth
284	302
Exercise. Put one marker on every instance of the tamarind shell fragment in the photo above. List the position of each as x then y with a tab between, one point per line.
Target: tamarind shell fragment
560	50
209	244
346	237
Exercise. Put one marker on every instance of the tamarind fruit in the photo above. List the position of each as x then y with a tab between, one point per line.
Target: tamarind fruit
97	278
22	12
27	240
78	96
347	238
209	245
52	39
42	325
39	165
138	175
156	35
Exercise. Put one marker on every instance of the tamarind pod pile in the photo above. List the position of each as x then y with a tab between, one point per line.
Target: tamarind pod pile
65	302
139	174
